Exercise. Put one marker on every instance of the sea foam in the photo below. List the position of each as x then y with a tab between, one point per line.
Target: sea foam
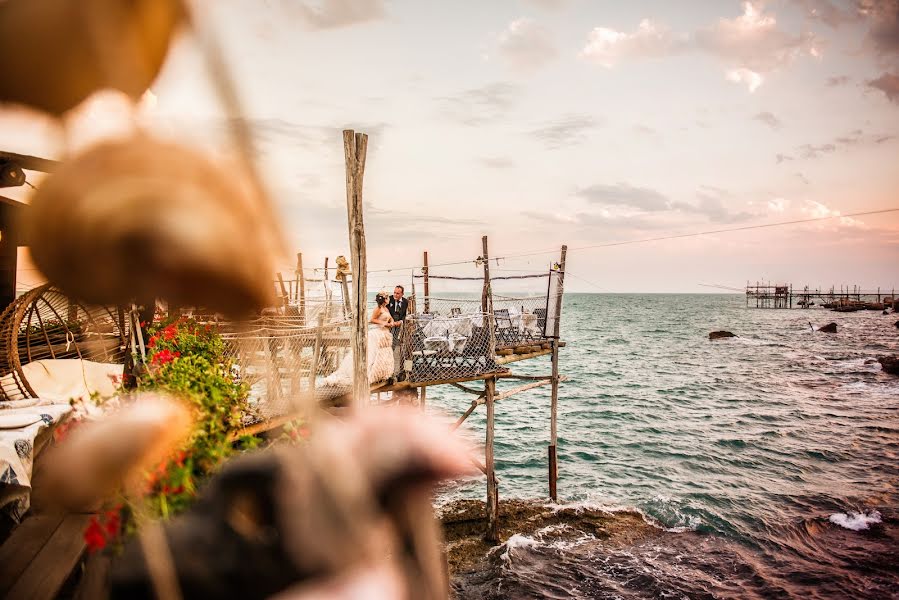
856	521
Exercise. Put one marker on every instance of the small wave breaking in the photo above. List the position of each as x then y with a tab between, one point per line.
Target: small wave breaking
856	521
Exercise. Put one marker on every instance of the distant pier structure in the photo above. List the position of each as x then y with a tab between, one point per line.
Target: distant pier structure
783	295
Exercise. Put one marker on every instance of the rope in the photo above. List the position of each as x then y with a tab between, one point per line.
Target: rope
655	239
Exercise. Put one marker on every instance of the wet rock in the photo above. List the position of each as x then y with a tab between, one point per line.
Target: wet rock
829	328
716	335
897	324
890	364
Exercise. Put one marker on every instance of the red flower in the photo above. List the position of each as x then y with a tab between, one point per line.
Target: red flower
93	536
113	522
164	357
169	333
153	340
304	433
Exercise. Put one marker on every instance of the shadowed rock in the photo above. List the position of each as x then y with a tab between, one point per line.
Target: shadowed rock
716	335
829	328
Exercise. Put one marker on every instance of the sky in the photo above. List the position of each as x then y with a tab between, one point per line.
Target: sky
547	122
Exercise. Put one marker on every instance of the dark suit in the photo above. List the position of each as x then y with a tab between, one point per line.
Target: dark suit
398	312
398	309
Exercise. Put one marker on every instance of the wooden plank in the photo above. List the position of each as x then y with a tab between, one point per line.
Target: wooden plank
95	582
49	570
25	542
504	360
423	384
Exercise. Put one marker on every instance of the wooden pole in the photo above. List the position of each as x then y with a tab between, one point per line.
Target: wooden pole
424	271
355	146
423	397
492	535
347	310
486	287
301	284
316	356
284	296
553	411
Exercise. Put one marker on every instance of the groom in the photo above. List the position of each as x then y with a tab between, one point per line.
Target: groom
397	305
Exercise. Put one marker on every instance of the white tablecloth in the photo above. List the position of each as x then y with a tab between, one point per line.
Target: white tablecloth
17	450
461	325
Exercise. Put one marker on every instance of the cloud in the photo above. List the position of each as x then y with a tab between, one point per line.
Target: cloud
712	205
401	224
813	151
884	32
548	4
751	44
828	12
331	14
783	158
497	162
852	139
607	47
768	119
481	105
644	130
838	80
566	131
888	83
750	78
623	194
526	45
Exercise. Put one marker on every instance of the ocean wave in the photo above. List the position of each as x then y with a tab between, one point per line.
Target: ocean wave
856	521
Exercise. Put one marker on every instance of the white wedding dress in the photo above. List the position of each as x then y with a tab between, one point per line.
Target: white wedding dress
380	356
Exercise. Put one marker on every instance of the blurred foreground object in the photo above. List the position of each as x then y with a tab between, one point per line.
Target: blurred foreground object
101	456
58	52
347	515
142	218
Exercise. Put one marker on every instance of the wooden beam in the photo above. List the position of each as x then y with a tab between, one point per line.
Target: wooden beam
30	163
521	388
466	389
301	284
474	404
355	147
492	535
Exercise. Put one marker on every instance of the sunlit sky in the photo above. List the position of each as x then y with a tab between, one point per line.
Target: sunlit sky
545	122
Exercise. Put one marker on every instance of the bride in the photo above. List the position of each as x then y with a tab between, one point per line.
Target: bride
380	348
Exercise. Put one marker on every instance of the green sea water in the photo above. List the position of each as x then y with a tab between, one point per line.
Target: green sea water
778	447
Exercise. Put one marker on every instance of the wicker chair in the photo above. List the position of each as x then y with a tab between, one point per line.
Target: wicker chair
44	323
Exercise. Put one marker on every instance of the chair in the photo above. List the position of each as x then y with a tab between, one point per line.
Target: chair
455	311
541	320
506	332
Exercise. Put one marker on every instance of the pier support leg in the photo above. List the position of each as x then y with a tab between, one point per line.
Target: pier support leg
492	534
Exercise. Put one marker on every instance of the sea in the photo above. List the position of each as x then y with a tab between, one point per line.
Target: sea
765	465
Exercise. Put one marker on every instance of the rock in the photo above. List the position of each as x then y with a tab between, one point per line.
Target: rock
897	324
890	364
885	312
716	335
829	328
870	361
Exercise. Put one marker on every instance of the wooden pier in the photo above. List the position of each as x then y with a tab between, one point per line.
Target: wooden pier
848	298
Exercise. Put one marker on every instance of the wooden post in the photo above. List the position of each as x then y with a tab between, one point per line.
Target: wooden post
8	257
553	411
424	271
284	296
486	287
492	535
316	356
423	396
345	290
301	284
355	146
